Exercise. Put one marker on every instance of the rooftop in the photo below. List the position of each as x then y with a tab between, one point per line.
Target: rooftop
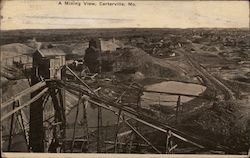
108	45
50	52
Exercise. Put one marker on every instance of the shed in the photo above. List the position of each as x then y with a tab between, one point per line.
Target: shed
49	62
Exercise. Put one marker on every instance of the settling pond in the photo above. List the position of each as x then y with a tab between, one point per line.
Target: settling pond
150	98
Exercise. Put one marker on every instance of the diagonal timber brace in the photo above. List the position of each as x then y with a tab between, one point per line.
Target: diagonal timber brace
25	104
132	114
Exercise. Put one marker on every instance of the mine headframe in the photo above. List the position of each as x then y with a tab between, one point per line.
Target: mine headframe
47	65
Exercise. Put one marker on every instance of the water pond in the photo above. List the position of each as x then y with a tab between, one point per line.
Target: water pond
150	98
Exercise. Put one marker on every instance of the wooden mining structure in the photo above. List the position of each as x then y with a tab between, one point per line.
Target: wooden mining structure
48	79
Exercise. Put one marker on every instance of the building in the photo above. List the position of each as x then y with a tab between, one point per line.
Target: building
92	54
100	54
49	62
107	45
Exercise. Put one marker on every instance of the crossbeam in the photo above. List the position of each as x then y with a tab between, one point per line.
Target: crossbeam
25	92
73	73
170	93
132	114
25	104
138	133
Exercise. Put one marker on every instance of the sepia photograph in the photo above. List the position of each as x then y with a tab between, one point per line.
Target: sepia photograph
124	77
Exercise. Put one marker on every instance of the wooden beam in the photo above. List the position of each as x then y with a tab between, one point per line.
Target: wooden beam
85	122
117	131
114	107
170	93
73	73
75	122
21	117
139	134
124	144
11	127
24	105
25	92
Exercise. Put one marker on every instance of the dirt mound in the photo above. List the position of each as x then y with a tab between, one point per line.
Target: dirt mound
213	49
15	49
3	81
223	119
80	48
12	88
67	49
150	66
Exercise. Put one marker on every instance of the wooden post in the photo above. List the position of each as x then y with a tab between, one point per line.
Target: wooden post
106	136
141	136
62	101
168	135
36	136
85	125
137	123
99	124
117	131
131	142
21	122
11	128
169	143
75	122
62	96
177	108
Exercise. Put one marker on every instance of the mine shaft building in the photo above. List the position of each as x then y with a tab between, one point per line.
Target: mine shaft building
92	54
108	55
99	56
49	62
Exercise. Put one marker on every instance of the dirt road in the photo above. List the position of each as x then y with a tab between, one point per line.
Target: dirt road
228	94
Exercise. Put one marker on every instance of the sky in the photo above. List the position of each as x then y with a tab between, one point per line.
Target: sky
48	14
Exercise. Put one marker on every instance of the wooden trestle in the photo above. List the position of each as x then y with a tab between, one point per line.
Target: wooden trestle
56	89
